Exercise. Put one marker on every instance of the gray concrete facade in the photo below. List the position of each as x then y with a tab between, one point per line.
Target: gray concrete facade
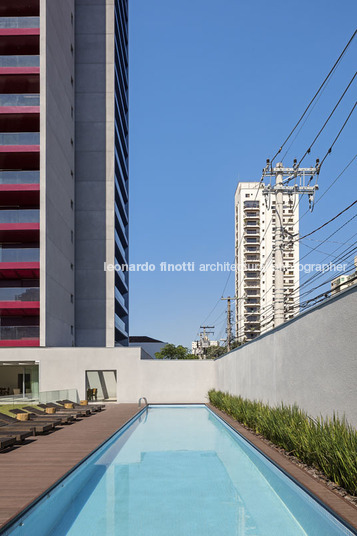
57	173
95	221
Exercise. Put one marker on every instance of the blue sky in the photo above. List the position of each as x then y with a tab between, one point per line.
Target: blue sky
215	87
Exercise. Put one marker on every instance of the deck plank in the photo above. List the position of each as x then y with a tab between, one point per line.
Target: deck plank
28	470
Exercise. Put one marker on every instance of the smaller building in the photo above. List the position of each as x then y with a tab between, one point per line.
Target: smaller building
344	281
149	345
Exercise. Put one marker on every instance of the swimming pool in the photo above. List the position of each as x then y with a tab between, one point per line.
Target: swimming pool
177	471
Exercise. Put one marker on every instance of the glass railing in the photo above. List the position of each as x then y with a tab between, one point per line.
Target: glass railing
19	177
19	138
20	216
120	324
15	333
19	254
19	22
20	294
120	298
20	61
12	99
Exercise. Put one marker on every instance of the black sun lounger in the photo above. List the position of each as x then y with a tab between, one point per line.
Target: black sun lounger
6	442
35	412
35	427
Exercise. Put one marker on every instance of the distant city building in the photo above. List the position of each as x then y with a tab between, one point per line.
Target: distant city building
255	226
201	346
344	281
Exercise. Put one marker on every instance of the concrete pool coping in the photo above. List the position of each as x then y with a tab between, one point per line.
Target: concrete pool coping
327	497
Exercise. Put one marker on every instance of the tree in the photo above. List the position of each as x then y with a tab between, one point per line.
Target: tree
170	351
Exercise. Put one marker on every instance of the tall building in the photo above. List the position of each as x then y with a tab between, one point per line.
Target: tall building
255	225
63	172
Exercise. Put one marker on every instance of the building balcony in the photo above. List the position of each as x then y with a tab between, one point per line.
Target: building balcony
20	61
19	263
19	255
19	177
19	80
15	42
18	333
19	100
248	214
19	294
20	119
19	22
19	216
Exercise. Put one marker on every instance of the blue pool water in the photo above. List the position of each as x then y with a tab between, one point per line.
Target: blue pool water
177	471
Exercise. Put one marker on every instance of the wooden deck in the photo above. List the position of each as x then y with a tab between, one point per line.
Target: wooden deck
29	470
335	502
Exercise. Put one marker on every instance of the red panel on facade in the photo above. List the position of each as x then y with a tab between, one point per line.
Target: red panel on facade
19	148
19	308
19	110
19	31
22	342
19	270
18	188
19	70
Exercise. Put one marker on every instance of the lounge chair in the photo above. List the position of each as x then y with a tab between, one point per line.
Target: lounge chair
20	435
6	442
39	418
36	428
63	411
96	407
35	412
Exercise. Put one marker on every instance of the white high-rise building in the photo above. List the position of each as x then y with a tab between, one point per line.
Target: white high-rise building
255	225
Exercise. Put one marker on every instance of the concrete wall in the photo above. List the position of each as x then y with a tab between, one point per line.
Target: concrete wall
311	361
56	179
159	381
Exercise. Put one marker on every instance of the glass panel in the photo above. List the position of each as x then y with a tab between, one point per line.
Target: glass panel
119	297
19	216
20	294
15	333
20	61
19	254
19	177
19	138
8	99
119	324
19	22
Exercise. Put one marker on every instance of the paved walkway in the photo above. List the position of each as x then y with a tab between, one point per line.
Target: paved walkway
30	469
338	504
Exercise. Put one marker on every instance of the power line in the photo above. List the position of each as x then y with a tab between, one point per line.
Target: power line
331	220
327	120
316	94
338	135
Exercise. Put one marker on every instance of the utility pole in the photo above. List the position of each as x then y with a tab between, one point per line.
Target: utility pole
229	321
280	188
204	340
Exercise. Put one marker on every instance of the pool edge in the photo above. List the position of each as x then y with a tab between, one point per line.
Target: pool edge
327	498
